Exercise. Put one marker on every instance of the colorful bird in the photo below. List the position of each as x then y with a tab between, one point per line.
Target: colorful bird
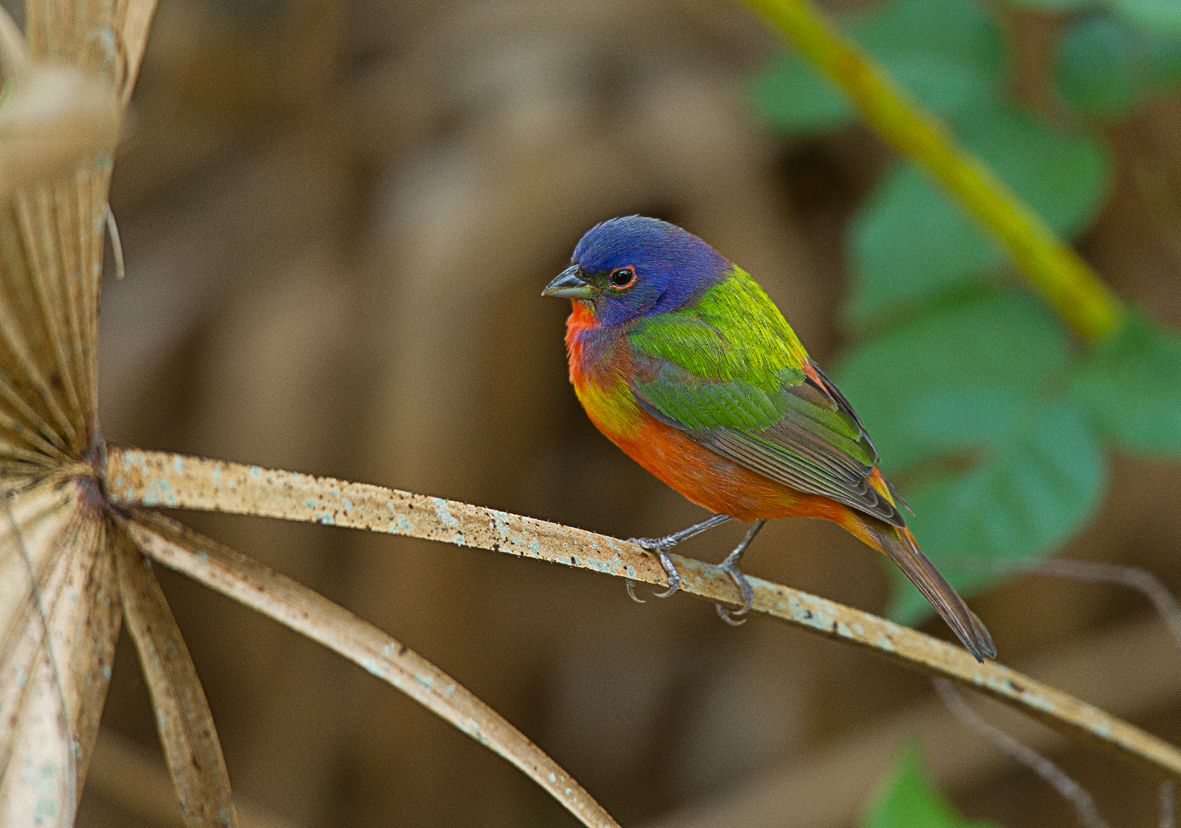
681	360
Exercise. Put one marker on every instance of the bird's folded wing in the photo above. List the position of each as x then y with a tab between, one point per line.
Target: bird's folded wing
790	427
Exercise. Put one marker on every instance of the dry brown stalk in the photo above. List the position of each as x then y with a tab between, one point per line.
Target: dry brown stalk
142	478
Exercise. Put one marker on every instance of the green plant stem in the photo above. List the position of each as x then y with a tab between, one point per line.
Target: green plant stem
1059	273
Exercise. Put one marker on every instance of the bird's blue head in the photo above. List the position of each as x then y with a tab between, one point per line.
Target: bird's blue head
636	266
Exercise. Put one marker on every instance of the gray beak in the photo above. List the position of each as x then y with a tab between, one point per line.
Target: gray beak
569	285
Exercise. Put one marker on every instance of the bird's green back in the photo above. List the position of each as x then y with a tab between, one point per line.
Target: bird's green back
733	331
730	371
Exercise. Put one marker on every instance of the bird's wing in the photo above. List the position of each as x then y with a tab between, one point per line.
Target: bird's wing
787	422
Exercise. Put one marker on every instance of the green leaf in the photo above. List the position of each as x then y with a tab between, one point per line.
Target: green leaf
793	97
1096	68
1130	387
1105	68
1030	492
980	381
1161	16
908	242
948	54
909	799
951	378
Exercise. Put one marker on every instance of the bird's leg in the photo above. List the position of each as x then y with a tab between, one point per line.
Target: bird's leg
731	566
661	546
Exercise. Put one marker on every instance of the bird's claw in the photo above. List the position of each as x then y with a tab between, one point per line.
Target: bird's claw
674	577
631	592
735	617
660	547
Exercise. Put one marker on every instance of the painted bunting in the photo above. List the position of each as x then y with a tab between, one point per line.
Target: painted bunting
681	360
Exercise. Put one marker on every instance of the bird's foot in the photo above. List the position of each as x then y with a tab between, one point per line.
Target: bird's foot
660	546
735	618
730	565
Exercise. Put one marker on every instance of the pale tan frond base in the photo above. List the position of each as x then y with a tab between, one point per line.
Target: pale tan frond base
59	619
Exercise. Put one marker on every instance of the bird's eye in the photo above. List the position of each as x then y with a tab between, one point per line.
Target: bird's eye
622	278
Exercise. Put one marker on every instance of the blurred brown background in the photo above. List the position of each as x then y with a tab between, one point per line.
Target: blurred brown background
337	219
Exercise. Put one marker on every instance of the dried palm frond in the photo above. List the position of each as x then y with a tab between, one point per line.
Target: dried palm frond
71	563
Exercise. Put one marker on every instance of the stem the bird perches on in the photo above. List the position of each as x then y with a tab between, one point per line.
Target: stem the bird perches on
148	478
1057	271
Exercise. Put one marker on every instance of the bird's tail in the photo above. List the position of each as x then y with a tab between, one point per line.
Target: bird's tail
899	545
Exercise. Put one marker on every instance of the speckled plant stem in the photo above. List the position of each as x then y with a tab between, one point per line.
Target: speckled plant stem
146	478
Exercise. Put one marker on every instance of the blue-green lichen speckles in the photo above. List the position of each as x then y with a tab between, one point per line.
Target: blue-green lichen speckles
1005	687
255	472
813	616
1100	729
500	523
178	465
425	681
217	475
444	513
472	728
158	493
372	666
45	812
611	567
1038	701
